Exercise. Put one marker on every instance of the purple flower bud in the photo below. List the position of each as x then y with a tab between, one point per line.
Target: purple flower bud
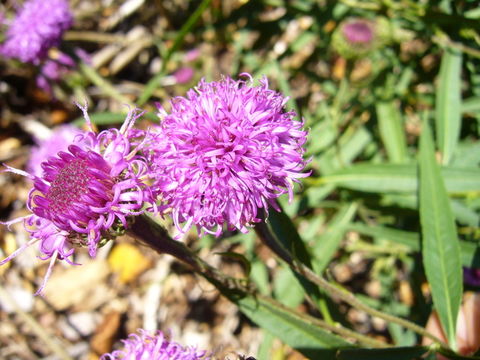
86	193
146	347
358	31
224	151
38	26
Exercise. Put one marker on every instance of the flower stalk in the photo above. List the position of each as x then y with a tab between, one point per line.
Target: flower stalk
146	230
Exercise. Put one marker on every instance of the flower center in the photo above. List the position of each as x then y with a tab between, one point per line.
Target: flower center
70	183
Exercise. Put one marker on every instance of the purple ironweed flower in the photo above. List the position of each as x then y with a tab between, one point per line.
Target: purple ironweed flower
86	194
58	140
224	151
146	347
38	26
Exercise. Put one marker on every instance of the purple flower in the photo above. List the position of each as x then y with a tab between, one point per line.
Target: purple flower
59	140
184	75
471	276
226	150
86	194
38	26
146	347
358	31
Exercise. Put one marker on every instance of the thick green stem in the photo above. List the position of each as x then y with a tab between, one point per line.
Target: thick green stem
269	239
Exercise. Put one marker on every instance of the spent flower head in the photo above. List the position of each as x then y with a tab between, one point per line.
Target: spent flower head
86	194
224	151
38	26
157	347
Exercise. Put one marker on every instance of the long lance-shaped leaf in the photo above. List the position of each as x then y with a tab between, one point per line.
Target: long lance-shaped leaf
448	105
470	252
440	246
388	178
391	131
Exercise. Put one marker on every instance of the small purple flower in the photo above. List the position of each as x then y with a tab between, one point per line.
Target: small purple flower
224	151
358	31
184	75
146	347
38	26
471	276
59	140
86	194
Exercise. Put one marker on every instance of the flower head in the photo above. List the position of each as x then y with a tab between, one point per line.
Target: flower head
146	347
58	140
224	151
357	37
86	193
38	26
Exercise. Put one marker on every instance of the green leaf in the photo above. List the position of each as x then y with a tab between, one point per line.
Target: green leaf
391	131
327	244
108	118
352	142
471	105
470	252
394	178
298	330
286	288
396	353
449	103
440	246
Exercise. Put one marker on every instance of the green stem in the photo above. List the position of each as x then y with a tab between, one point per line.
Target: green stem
269	239
151	233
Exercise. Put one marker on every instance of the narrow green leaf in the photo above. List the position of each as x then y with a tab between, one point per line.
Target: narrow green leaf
391	131
440	246
471	105
108	118
298	330
352	142
286	288
397	353
327	244
386	178
448	103
470	252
